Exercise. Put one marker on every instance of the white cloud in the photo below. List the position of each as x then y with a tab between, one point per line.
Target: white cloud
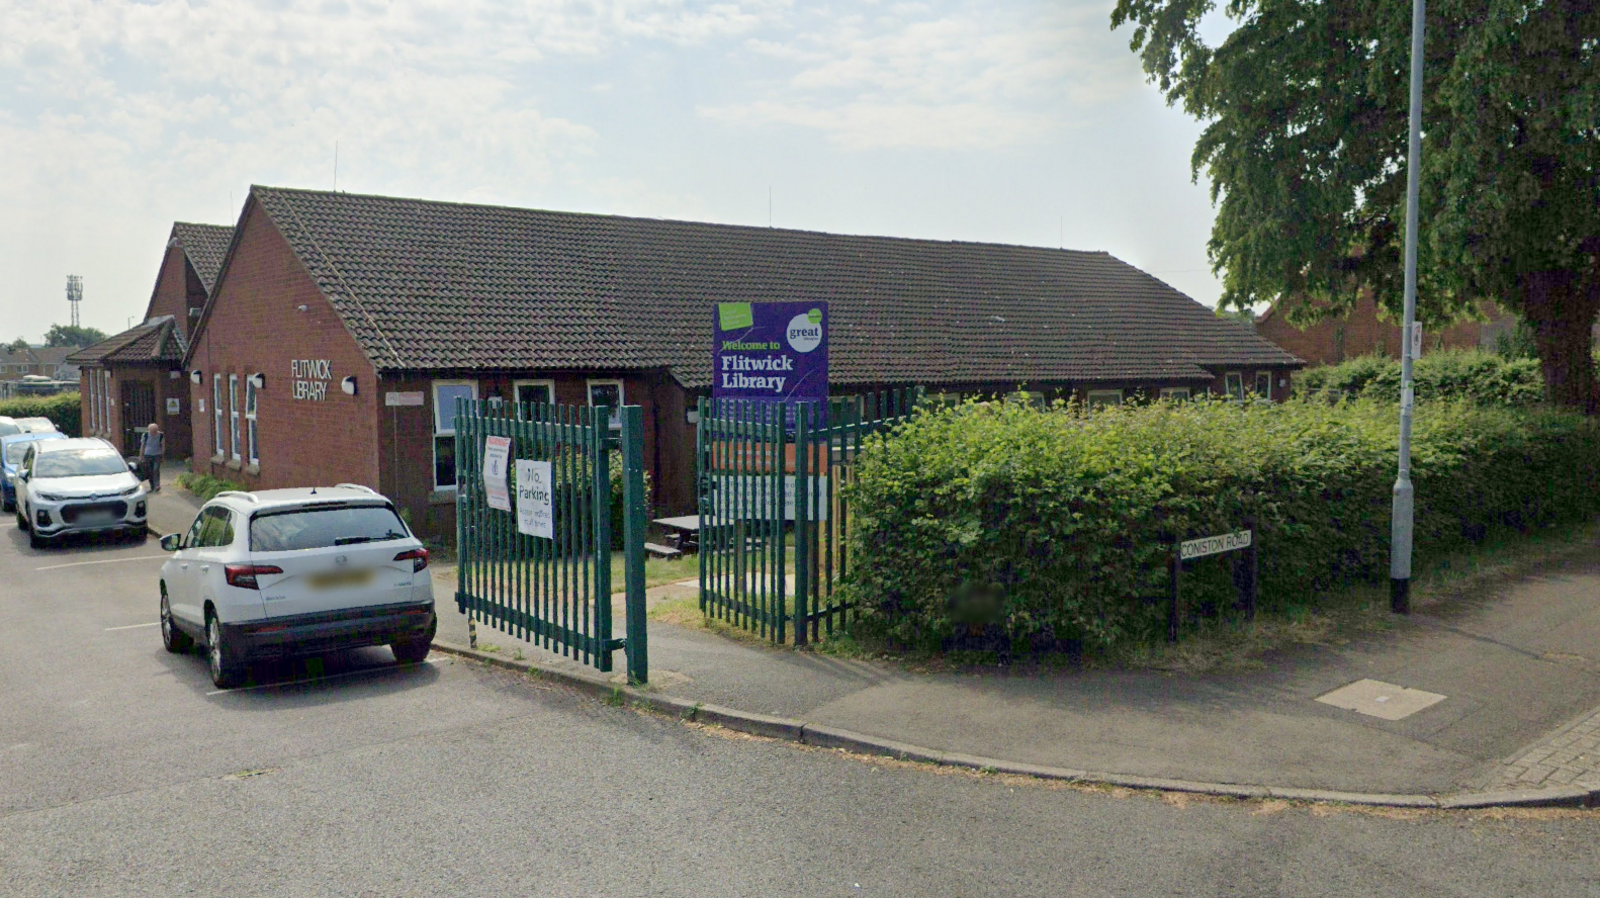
969	75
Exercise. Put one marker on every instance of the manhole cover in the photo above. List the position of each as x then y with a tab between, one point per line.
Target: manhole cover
1382	700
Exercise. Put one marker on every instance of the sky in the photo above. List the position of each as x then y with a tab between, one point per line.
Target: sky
1007	121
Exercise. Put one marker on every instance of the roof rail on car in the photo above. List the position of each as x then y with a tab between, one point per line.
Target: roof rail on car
252	497
355	486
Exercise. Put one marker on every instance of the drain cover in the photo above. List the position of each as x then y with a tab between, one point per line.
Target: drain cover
1378	699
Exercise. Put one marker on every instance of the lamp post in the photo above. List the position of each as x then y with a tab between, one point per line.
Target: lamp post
1400	531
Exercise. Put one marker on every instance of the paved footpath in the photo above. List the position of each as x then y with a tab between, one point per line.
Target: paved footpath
1519	672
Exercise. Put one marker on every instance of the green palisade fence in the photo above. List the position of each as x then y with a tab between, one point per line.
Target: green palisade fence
773	527
555	593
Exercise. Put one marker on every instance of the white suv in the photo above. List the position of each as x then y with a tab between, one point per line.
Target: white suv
77	486
293	572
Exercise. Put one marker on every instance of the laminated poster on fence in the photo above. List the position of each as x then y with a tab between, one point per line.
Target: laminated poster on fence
496	455
535	499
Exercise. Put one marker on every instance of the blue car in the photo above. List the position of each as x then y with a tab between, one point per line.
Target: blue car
12	449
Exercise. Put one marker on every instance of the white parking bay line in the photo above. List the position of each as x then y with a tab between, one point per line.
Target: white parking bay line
56	567
154	623
310	680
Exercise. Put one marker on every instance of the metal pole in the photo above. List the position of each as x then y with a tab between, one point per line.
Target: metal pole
1404	496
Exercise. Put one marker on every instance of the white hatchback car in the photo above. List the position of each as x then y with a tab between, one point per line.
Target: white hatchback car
291	572
77	486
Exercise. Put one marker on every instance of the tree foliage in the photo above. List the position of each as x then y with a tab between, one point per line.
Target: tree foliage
69	335
1306	104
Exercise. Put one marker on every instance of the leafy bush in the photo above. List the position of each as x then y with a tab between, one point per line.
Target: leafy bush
207	487
63	409
1484	377
1047	525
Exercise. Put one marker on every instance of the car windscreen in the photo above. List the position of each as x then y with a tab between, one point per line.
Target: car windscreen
324	527
79	463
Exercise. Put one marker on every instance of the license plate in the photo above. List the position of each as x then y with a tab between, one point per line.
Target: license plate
96	517
340	579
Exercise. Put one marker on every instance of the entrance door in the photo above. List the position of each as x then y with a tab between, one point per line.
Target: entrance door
138	410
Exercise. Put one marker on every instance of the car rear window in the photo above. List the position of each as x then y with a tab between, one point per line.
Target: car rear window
8	429
324	527
15	452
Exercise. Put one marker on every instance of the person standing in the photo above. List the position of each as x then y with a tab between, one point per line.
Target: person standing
151	447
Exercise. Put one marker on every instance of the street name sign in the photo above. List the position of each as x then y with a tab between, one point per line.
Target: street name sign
1212	545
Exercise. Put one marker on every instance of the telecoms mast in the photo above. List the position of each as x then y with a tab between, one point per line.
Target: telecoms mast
74	295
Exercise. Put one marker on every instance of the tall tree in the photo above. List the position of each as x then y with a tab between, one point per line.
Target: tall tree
1305	106
69	335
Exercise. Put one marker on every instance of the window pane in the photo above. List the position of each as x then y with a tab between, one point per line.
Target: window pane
444	405
249	398
538	394
253	456
322	528
444	461
1263	383
605	394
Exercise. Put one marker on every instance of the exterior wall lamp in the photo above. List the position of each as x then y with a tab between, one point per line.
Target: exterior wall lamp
348	385
258	380
194	376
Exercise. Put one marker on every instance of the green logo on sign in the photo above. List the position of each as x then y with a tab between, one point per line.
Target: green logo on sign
814	316
735	315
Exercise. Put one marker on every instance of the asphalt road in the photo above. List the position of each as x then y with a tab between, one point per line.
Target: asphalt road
123	772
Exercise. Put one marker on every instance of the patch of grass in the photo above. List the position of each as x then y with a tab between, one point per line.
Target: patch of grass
615	698
488	647
657	571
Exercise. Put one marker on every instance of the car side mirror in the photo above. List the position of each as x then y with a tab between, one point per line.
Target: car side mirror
133	466
172	542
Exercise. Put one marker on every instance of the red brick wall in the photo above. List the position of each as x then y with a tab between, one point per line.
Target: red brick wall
256	325
178	292
1361	332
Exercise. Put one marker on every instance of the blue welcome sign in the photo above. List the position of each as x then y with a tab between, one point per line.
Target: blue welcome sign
771	352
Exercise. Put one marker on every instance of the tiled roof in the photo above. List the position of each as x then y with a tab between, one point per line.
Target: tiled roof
155	340
206	246
429	285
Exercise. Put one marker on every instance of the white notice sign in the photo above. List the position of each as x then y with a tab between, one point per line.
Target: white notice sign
535	499
1211	545
496	455
402	399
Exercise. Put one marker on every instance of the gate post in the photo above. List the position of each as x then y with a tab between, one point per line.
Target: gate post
598	433
637	646
802	529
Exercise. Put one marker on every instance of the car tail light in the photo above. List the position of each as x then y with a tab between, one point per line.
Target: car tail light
419	558
244	575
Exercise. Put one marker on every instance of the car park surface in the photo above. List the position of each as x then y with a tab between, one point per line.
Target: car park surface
77	486
281	573
12	448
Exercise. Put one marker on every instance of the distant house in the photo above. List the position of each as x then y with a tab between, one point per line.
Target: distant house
1362	332
343	327
136	377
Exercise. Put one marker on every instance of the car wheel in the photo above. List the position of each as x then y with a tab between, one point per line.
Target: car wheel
175	640
225	671
35	541
414	651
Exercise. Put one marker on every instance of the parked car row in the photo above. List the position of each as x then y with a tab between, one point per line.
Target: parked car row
260	575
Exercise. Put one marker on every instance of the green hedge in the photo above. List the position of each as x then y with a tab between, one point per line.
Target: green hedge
1484	377
205	487
1045	525
63	409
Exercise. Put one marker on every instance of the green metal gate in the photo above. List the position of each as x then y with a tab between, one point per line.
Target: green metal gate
555	592
773	526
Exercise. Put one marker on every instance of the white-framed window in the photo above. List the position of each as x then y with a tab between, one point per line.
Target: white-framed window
1233	384
1104	397
533	392
1264	384
94	410
1174	392
445	394
233	416
216	416
105	400
250	399
607	392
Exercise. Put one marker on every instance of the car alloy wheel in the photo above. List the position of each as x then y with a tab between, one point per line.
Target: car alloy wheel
172	638
224	672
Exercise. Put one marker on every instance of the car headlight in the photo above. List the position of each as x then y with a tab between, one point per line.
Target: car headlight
50	497
130	491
